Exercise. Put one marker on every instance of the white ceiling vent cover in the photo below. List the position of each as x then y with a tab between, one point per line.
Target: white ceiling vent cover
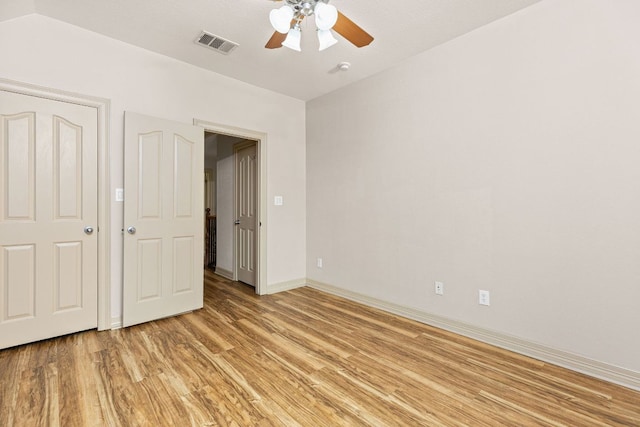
216	43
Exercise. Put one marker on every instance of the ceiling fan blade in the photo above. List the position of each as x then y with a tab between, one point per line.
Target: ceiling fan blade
276	40
351	31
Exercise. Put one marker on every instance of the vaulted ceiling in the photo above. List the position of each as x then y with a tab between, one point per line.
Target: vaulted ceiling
401	29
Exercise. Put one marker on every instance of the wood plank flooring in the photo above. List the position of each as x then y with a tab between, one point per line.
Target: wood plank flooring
299	358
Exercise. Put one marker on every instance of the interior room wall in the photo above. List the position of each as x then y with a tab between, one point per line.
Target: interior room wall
505	160
14	8
211	165
224	189
43	51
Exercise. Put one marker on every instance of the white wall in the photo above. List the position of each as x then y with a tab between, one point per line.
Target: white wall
507	160
211	164
225	219
42	51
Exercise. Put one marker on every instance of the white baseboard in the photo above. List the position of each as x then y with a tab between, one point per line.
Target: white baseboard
224	273
116	322
286	286
594	368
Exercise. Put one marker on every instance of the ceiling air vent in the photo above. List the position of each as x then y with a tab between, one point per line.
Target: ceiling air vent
216	43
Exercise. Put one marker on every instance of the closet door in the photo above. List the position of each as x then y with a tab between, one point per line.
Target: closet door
48	218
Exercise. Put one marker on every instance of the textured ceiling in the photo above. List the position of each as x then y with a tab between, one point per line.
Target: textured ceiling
401	29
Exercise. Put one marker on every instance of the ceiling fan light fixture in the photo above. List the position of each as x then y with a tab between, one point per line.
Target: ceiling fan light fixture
325	39
293	39
281	19
326	16
286	21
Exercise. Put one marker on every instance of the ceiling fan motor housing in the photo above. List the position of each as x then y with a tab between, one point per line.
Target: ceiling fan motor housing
305	7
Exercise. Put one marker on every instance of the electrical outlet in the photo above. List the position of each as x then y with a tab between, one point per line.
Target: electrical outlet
439	287
319	262
484	298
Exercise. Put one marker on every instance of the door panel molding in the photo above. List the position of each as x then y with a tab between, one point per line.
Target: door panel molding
18	302
261	141
17	188
103	227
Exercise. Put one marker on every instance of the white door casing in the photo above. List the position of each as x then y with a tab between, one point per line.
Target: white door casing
261	140
48	198
246	168
163	218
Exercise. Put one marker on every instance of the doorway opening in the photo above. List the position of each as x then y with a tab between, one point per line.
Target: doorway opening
234	200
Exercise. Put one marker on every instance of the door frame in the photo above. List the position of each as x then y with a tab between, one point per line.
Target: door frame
261	148
102	107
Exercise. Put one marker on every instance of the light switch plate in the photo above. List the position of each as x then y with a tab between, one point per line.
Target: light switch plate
278	201
119	194
484	297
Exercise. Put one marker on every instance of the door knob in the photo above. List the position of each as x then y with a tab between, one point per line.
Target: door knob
88	230
237	222
131	230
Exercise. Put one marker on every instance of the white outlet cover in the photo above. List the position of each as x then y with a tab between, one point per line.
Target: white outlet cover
439	288
319	262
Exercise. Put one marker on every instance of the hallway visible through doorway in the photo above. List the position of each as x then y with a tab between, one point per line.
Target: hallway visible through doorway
231	198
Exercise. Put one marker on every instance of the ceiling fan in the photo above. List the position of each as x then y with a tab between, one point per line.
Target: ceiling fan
286	21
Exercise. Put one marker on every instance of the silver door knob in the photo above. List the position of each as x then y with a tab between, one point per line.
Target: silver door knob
131	230
88	230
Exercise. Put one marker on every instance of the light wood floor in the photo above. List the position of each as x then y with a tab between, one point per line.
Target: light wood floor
296	358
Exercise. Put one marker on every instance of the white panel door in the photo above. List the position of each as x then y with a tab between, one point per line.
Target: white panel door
48	217
163	218
246	167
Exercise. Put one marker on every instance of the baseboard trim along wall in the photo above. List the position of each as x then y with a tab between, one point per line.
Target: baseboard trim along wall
285	286
224	273
604	371
116	322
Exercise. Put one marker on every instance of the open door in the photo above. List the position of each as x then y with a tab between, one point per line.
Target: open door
246	223
163	218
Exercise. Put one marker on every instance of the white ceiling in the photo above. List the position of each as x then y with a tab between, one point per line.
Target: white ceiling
401	29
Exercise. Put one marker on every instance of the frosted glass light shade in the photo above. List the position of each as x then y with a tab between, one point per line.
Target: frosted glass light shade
326	16
281	19
326	39
293	39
